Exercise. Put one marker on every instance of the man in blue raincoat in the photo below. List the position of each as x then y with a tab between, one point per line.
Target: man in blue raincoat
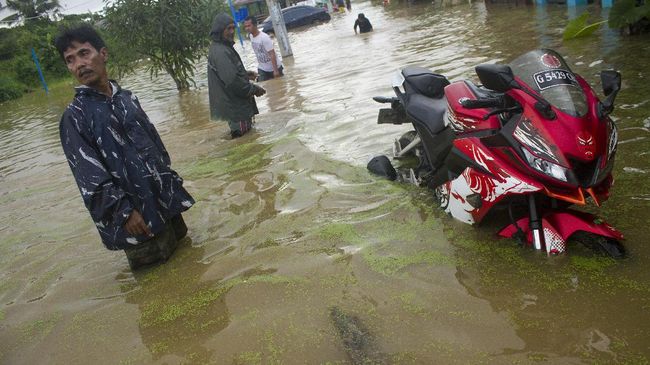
118	160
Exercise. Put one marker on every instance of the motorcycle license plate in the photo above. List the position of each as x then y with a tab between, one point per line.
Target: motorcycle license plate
550	78
390	116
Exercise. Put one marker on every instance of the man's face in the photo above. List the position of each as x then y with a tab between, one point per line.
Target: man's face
229	32
86	63
249	26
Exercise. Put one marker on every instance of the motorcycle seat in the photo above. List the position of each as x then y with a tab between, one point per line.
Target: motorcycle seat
427	111
419	80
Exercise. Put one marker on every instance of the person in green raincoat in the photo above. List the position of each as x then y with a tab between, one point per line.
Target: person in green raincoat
232	94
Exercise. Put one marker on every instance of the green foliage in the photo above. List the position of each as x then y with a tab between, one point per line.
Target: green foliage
24	70
31	10
10	89
172	34
578	27
8	43
18	68
629	13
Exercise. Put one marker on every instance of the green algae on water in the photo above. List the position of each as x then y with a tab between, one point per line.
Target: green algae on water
392	264
204	167
248	358
195	306
41	328
339	232
591	264
409	303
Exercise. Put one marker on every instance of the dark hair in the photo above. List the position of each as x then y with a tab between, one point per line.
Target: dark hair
82	34
252	19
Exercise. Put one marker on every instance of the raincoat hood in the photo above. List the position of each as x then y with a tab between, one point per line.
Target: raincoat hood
219	24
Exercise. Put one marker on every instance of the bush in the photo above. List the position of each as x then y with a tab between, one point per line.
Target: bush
10	89
25	70
8	43
632	16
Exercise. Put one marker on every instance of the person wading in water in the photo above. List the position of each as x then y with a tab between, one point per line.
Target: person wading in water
118	160
232	95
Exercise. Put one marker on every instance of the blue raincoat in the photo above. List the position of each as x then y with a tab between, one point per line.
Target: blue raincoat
120	164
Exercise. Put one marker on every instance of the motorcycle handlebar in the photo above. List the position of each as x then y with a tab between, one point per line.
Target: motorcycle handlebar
384	99
482	103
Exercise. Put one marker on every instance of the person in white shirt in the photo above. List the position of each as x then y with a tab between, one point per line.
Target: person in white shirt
269	63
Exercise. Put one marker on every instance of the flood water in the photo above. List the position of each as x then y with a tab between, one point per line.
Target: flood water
296	254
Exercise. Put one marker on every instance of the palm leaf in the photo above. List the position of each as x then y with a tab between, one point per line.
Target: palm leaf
578	27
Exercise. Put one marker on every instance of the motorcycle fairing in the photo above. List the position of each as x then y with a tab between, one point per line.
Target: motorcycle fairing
464	120
474	192
576	140
559	226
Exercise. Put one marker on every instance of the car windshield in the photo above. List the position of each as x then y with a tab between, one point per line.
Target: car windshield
286	13
546	72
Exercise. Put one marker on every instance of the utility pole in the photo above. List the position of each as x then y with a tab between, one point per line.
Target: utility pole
279	28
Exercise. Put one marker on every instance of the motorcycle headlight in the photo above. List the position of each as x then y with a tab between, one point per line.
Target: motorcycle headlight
613	140
528	135
545	167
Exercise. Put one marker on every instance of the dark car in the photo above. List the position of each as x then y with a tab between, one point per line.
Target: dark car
297	16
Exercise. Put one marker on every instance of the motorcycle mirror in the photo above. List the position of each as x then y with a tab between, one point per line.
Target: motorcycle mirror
496	77
611	81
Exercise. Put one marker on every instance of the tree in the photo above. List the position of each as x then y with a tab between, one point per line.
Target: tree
631	16
31	9
171	34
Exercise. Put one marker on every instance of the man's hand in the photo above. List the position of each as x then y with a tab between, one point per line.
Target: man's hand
135	225
252	75
259	91
276	73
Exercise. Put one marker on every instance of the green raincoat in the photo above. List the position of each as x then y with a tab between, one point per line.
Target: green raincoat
231	93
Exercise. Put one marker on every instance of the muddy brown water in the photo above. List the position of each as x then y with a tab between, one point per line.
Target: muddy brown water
296	255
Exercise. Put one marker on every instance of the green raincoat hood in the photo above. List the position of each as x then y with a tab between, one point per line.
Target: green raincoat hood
219	24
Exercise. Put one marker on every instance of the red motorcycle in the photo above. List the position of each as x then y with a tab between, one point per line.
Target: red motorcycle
533	135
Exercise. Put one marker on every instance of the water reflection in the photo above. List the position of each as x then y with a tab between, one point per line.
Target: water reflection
177	307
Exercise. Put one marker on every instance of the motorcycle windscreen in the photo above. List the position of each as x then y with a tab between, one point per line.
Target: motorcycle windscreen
546	72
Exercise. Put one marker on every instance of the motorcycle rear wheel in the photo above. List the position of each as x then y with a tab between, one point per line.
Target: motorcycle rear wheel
601	244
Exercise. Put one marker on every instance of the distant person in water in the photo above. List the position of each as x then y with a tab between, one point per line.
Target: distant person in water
363	23
231	94
269	64
348	5
118	160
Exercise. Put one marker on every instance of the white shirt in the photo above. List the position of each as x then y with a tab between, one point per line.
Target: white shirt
262	44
